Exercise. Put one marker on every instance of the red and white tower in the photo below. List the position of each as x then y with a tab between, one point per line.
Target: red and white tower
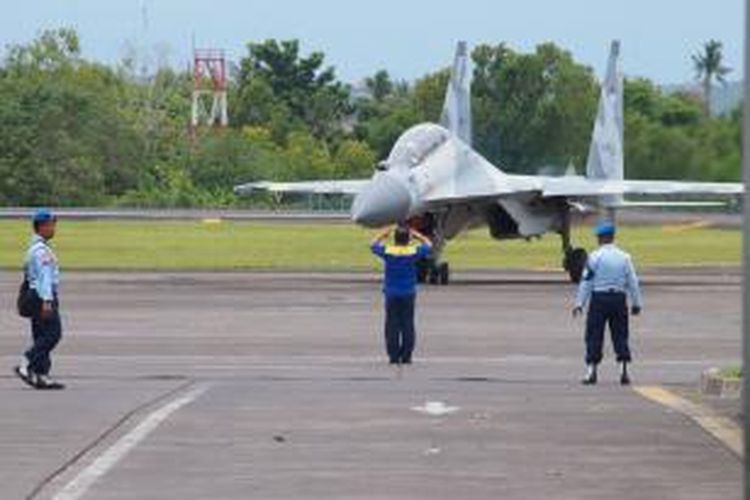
209	88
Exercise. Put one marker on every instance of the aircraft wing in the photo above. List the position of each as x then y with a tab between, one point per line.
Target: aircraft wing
494	185
350	187
592	188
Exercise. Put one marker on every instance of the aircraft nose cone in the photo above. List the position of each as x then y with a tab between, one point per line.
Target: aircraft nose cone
386	200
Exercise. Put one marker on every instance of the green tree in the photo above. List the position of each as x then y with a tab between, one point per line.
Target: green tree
429	95
645	98
274	78
709	67
380	85
666	137
379	122
532	110
306	158
74	132
63	137
51	50
384	124
353	159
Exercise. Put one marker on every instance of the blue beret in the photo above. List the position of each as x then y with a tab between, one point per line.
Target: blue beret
43	215
605	228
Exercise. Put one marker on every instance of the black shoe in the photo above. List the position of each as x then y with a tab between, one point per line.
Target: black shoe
624	379
406	361
26	375
44	383
589	379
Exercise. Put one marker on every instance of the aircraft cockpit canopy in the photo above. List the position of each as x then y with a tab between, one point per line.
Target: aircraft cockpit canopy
416	144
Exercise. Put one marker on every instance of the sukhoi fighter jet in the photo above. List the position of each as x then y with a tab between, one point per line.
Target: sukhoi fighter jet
434	179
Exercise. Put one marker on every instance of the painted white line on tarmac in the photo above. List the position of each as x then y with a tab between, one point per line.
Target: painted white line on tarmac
78	487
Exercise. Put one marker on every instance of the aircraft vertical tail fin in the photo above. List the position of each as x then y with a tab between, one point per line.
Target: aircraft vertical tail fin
456	115
606	158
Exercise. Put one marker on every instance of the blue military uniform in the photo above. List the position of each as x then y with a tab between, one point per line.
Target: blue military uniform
42	269
400	288
42	272
609	282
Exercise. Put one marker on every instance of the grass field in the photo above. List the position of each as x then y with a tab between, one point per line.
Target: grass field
196	245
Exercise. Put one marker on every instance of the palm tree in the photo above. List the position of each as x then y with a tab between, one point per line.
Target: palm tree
708	66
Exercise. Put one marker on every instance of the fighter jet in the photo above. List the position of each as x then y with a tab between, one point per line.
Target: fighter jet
435	180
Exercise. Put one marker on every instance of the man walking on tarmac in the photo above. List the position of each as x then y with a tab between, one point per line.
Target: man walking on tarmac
400	288
608	280
42	275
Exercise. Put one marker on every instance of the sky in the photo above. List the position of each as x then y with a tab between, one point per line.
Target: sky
409	38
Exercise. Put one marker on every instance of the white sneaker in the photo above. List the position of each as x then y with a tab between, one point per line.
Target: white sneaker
22	371
590	378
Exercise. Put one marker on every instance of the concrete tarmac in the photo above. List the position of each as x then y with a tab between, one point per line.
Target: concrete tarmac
273	385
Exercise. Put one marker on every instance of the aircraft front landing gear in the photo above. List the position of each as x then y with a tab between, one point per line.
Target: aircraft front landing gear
575	263
575	259
435	274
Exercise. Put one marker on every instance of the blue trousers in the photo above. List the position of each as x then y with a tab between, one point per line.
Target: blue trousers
607	308
399	328
46	333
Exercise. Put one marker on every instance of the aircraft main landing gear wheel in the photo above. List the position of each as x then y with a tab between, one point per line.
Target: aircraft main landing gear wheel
575	263
444	273
440	274
434	275
428	271
423	271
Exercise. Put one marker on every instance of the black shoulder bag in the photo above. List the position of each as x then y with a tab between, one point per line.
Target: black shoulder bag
27	300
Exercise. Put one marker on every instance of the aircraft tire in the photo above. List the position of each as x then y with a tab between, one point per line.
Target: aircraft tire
444	273
434	275
575	263
423	271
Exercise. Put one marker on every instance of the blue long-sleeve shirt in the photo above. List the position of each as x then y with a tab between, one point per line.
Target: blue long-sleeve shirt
42	269
400	267
609	269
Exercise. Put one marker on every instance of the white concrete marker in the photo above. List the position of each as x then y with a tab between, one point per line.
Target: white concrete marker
435	409
78	487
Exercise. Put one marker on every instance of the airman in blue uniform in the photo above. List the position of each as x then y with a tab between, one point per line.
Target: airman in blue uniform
42	273
609	281
400	288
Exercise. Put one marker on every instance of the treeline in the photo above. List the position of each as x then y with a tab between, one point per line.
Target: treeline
76	132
